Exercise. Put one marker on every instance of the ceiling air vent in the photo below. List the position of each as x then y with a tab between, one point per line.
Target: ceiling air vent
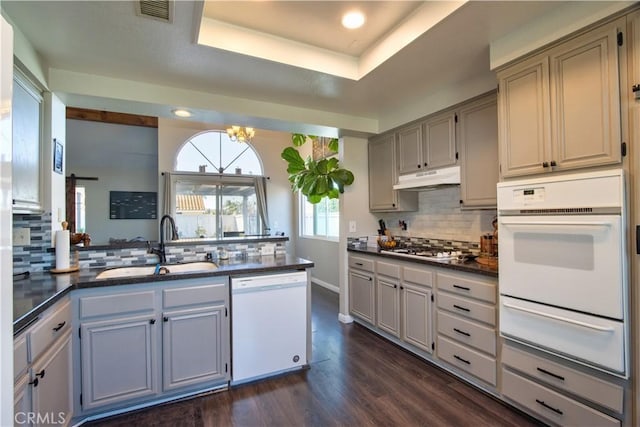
161	10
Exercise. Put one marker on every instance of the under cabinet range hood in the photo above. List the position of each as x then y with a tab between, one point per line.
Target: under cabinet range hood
429	178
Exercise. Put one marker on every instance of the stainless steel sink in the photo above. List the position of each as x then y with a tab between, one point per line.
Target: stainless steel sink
151	270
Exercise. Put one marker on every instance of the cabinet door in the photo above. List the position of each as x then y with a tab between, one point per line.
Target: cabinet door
585	94
51	393
523	117
410	149
439	142
388	314
119	358
194	347
478	145
22	401
382	174
361	296
27	154
416	316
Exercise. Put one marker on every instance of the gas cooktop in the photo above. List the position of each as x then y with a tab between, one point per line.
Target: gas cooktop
434	254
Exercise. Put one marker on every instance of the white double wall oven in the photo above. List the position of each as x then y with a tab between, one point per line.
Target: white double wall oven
563	267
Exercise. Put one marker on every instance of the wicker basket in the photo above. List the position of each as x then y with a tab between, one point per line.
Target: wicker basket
387	243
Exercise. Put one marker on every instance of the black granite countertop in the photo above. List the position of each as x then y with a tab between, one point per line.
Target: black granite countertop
38	291
466	266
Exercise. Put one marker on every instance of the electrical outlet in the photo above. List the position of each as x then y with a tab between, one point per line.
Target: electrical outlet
352	226
21	237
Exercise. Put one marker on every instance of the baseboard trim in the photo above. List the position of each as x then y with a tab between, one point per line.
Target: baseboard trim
345	318
332	288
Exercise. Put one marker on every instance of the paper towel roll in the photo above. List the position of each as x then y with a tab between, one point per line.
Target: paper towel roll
62	249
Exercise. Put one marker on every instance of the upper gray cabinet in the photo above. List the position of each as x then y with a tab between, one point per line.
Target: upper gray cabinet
27	154
428	144
560	109
383	175
478	144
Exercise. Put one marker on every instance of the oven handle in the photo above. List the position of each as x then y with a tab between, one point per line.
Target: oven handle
560	318
562	223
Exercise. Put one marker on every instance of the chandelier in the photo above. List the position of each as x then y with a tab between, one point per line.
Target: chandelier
240	134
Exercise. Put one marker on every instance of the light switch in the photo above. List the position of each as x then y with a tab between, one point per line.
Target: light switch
21	237
352	226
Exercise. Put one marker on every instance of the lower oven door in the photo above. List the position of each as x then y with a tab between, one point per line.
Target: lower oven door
591	340
572	261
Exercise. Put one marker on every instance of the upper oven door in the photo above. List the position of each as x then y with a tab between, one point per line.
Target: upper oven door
574	262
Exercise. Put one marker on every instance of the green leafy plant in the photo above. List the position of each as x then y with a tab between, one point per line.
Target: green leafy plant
315	179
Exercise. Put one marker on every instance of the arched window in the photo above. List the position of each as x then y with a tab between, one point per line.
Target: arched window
214	152
218	189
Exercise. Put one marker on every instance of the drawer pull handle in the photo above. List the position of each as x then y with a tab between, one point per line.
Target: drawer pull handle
60	326
560	318
551	374
461	359
359	263
464	288
461	308
556	410
462	332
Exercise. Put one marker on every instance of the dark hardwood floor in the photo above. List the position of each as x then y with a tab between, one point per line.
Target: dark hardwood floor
356	379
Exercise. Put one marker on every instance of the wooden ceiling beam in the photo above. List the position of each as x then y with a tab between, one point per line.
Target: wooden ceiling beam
111	117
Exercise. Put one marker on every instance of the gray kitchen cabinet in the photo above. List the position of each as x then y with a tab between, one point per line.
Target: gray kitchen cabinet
429	144
410	149
560	109
27	153
51	384
478	146
439	140
362	289
119	360
43	369
467	336
383	176
148	341
195	336
388	297
416	316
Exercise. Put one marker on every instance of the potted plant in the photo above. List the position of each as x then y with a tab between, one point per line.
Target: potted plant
315	179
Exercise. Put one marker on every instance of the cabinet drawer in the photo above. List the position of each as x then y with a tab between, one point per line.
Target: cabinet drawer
361	263
200	295
467	332
20	361
579	383
48	329
467	307
123	303
389	270
420	277
552	406
462	285
464	358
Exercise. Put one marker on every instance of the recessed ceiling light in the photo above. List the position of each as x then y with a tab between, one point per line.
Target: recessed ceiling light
182	113
353	20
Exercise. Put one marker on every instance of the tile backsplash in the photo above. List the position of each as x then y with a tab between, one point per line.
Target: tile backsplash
439	216
38	255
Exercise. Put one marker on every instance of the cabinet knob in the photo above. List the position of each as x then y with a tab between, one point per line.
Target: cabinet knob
545	164
34	383
419	166
40	374
425	164
553	163
152	321
395	286
165	318
393	205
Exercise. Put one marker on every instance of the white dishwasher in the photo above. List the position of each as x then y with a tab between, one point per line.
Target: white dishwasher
268	325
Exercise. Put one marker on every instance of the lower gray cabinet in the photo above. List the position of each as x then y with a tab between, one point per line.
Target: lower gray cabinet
416	316
143	342
362	295
119	357
194	349
388	314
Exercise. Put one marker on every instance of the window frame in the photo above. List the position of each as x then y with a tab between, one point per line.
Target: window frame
302	201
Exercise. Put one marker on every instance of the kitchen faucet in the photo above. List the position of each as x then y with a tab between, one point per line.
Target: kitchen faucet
160	251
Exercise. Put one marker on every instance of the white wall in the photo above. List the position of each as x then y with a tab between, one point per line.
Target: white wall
172	134
354	206
123	158
54	183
